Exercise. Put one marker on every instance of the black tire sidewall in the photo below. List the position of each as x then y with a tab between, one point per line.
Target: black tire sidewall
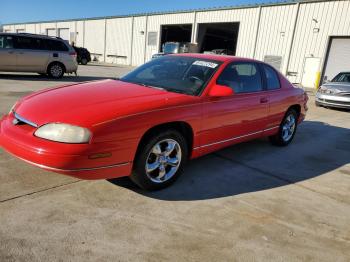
83	61
139	175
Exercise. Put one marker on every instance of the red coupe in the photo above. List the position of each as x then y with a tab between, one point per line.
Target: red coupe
147	124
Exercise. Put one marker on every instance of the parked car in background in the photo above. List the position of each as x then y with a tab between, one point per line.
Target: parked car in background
83	55
220	52
335	93
23	52
176	48
147	124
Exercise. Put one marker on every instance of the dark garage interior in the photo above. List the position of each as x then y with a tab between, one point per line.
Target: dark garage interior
218	36
175	33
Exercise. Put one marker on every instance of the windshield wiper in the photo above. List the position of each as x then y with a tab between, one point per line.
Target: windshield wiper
150	86
177	91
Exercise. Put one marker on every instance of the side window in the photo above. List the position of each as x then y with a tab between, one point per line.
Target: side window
38	44
55	45
6	42
24	43
241	77
272	79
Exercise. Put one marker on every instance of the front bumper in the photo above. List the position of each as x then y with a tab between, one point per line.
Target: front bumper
67	159
332	100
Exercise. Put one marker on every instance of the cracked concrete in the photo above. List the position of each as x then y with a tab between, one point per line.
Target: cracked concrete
249	202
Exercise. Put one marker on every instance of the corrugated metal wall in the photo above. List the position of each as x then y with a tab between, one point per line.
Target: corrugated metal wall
80	33
263	31
316	22
139	40
154	25
94	38
247	18
118	39
275	32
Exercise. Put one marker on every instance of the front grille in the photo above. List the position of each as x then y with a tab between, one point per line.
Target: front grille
336	102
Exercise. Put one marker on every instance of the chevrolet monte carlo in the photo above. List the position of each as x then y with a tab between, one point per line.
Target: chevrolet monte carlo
147	124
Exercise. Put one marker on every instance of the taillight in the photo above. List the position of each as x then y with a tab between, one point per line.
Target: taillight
73	54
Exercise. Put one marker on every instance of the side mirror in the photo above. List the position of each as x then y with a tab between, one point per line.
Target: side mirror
220	91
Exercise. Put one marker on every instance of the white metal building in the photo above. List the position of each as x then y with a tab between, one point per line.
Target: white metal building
303	39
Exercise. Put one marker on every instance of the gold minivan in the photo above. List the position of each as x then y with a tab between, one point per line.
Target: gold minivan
22	52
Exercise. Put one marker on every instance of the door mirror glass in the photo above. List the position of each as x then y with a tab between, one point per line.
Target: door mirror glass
220	91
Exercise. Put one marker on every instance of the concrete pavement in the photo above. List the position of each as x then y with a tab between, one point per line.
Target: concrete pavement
249	202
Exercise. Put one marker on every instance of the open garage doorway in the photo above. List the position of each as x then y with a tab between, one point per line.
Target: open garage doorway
175	33
220	37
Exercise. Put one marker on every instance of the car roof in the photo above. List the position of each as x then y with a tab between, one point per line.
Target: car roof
221	58
32	35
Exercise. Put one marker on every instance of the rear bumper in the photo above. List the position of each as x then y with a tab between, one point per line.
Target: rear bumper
332	100
74	162
71	66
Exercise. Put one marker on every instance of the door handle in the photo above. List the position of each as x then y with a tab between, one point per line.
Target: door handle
10	52
264	100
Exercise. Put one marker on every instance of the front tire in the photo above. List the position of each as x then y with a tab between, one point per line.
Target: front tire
56	70
160	161
287	129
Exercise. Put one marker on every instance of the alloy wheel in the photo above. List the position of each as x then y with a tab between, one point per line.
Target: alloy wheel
288	127
163	160
56	70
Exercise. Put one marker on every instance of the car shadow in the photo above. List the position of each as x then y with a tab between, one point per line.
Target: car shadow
253	166
37	77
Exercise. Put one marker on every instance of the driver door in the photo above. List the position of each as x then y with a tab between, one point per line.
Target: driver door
242	116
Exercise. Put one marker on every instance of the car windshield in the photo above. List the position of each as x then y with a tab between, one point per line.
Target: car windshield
342	77
171	48
178	74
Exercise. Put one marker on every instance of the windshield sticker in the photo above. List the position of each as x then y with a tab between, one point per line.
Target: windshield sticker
206	64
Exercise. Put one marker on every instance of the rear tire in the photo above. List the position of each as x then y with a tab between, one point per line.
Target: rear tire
287	129
160	160
56	70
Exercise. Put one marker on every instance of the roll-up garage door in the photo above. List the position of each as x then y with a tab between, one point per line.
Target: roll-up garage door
338	57
51	32
64	33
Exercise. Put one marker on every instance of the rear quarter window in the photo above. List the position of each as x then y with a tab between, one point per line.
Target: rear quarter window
272	79
55	45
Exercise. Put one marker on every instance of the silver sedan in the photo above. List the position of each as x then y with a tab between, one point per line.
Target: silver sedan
335	93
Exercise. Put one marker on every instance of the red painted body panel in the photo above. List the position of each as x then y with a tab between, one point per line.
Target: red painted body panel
118	114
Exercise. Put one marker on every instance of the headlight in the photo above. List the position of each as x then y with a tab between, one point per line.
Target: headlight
330	90
322	89
64	133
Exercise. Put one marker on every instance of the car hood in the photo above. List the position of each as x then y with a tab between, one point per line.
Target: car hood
90	103
343	87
